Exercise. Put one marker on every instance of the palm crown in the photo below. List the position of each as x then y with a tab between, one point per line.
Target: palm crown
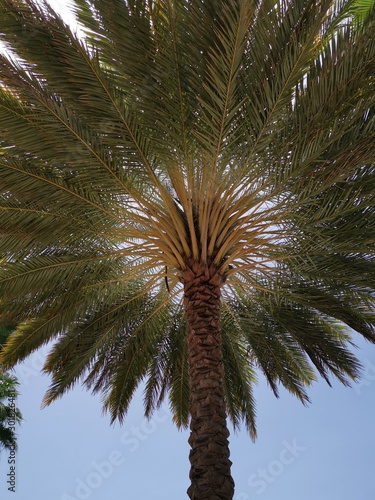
179	140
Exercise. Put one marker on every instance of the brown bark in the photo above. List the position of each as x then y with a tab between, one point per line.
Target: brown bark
209	456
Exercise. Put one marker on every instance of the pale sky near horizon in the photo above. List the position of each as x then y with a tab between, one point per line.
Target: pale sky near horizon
69	451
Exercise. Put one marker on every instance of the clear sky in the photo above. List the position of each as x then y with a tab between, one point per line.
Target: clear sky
69	451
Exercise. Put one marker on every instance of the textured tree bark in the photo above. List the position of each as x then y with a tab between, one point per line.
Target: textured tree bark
209	456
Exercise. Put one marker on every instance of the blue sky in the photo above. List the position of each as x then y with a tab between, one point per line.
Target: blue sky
69	451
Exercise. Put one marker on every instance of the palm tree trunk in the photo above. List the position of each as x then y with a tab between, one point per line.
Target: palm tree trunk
209	456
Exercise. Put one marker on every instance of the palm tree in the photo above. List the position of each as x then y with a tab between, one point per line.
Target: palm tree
187	199
10	415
